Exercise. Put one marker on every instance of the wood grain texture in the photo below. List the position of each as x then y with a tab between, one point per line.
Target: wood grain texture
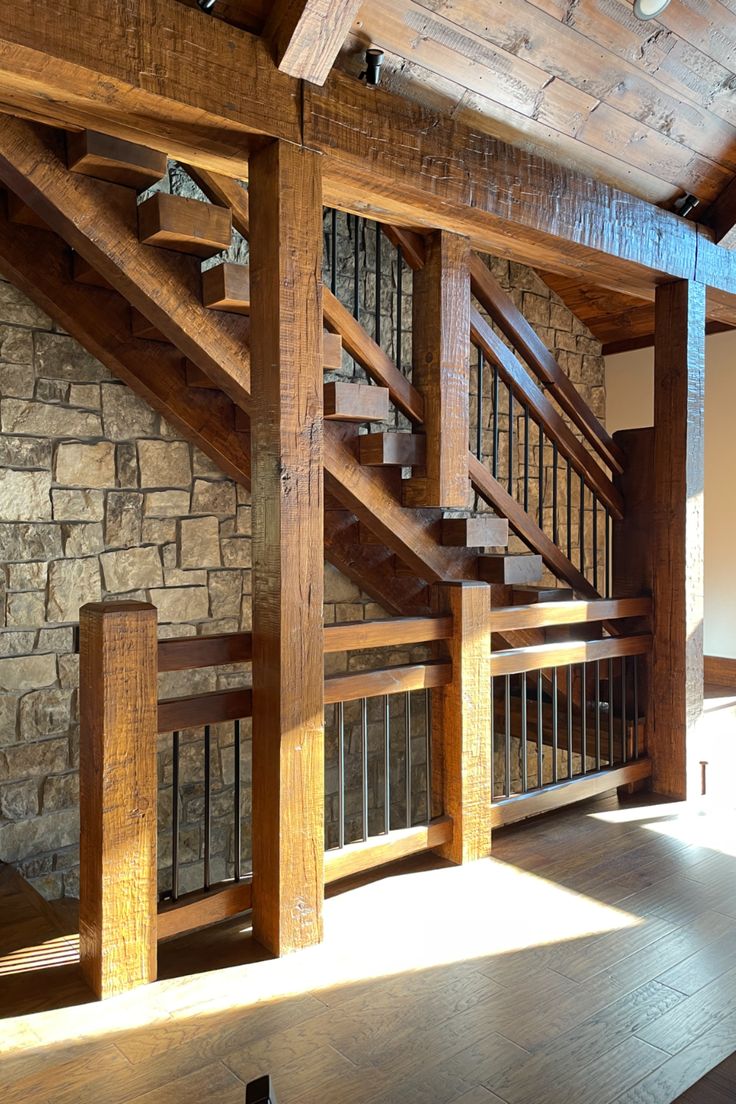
188	653
677	659
355	402
386	680
404	450
288	714
375	852
720	670
213	707
387	633
441	370
545	614
461	714
184	225
544	656
511	810
483	531
506	569
481	191
306	35
200	909
118	795
226	286
107	158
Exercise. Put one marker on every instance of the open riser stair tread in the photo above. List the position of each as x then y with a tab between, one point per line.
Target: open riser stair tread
114	160
519	569
483	531
355	402
184	225
404	450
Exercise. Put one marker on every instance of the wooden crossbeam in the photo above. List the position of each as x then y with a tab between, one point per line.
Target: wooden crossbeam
306	35
448	176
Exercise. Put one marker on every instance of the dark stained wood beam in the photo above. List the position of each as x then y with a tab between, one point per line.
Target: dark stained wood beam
162	74
306	35
288	562
721	217
676	692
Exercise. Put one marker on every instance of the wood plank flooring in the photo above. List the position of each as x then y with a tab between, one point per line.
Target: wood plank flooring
592	960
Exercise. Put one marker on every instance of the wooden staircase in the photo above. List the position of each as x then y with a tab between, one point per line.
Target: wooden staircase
196	325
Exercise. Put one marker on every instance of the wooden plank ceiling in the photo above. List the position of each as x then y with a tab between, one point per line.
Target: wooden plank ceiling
649	107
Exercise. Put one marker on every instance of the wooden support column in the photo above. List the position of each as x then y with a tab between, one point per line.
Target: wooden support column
441	370
461	715
288	559
677	661
118	789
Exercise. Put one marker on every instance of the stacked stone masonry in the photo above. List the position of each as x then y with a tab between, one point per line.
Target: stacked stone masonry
101	499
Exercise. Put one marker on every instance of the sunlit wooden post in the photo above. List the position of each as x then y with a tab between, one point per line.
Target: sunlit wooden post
679	461
117	795
285	194
461	715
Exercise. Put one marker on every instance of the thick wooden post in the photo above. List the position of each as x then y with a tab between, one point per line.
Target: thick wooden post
288	560
441	370
677	661
461	715
118	668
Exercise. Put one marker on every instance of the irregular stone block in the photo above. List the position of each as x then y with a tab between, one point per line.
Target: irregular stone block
18	800
85	395
59	356
158	531
17	380
52	391
16	345
213	498
60	791
86	465
27	672
125	416
123	515
19	840
177	604
167	504
131	568
72	583
26	576
82	538
236	552
17	643
226	589
164	464
18	310
23	416
199	543
127	463
25	452
25	495
78	505
25	608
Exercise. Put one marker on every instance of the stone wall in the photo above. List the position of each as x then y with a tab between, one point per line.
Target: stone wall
100	498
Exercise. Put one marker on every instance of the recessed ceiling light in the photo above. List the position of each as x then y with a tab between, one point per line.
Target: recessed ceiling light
649	9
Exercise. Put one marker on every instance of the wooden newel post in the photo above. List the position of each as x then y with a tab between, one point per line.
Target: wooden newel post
462	717
118	668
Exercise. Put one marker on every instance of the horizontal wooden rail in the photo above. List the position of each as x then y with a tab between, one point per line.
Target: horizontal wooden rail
196	710
541	656
386	633
509	319
529	393
198	910
543	615
510	810
187	653
526	528
354	858
387	680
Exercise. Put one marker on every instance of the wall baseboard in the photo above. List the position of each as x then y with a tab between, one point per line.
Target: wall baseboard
720	671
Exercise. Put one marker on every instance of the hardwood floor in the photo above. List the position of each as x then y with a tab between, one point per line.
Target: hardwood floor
591	960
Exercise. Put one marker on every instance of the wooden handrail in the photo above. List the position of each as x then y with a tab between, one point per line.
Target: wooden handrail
189	653
544	615
196	710
526	390
523	337
542	656
527	529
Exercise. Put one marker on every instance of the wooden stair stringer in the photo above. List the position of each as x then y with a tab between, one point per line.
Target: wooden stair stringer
38	263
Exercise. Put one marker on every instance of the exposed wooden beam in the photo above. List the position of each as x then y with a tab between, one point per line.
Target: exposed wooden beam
721	216
679	461
306	35
163	74
288	563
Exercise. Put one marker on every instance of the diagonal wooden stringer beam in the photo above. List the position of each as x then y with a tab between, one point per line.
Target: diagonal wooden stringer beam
39	263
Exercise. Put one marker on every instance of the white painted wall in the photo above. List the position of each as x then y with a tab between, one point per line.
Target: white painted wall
629	404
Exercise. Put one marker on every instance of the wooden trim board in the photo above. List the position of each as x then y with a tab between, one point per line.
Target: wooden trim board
720	670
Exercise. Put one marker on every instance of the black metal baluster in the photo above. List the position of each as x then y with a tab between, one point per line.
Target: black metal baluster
540	732
399	304
333	252
540	477
569	511
583	717
364	750
237	845
428	731
610	712
526	459
624	740
479	425
407	754
636	707
597	714
356	267
595	541
340	774
554	724
524	765
207	804
175	819
386	764
494	461
581	526
608	555
569	722
511	442
493	741
378	284
507	735
555	517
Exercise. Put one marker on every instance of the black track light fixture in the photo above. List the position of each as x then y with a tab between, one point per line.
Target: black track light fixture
373	62
206	5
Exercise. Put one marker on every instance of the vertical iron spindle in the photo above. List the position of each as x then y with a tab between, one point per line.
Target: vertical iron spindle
386	764
540	732
569	722
610	712
540	477
597	714
569	511
511	442
595	541
526	459
507	735
581	526
340	774
524	765
494	462
364	750
624	734
399	304
554	724
407	754
378	284
207	804
333	252
583	716
236	800
636	707
428	731
356	267
175	819
555	518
